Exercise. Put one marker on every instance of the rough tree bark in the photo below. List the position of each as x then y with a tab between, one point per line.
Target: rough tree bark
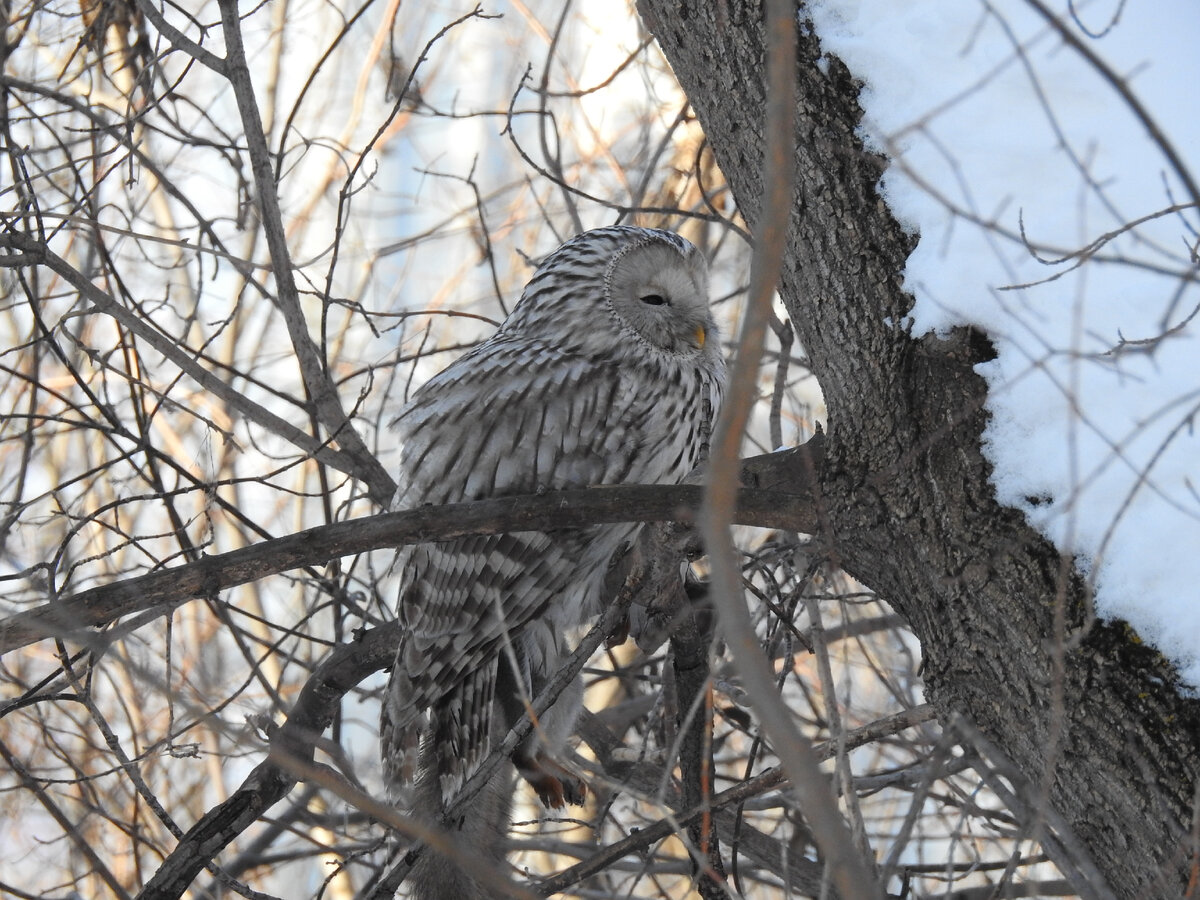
1109	749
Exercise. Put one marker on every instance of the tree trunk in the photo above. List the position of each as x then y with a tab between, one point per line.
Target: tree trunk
1090	722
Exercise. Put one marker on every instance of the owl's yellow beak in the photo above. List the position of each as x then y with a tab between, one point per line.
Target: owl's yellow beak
700	336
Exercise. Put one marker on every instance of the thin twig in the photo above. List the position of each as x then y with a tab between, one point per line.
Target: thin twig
850	873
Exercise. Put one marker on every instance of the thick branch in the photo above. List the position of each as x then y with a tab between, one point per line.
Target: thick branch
768	508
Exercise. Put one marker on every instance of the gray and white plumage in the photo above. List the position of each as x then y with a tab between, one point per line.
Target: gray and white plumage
608	371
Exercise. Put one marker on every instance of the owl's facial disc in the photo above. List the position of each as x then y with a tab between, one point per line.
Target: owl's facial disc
662	296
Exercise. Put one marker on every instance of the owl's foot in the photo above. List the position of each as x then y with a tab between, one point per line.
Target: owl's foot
618	634
555	785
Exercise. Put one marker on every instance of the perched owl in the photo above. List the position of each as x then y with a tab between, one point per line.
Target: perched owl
608	371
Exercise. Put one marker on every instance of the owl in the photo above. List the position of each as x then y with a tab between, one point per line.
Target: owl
608	371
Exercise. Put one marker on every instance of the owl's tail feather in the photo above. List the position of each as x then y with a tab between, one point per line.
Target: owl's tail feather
462	731
458	727
454	739
399	744
465	725
480	835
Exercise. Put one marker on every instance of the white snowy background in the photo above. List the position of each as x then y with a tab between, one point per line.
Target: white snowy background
995	124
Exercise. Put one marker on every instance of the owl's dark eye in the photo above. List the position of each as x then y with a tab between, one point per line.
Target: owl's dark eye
654	300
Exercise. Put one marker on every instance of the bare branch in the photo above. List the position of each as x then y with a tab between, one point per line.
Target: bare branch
313	368
767	508
851	874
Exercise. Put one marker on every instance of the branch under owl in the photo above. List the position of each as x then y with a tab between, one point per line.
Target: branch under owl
781	491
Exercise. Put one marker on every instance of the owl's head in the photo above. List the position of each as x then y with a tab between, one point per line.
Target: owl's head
641	286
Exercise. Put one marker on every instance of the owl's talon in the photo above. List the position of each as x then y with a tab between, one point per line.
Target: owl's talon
554	784
574	790
619	633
